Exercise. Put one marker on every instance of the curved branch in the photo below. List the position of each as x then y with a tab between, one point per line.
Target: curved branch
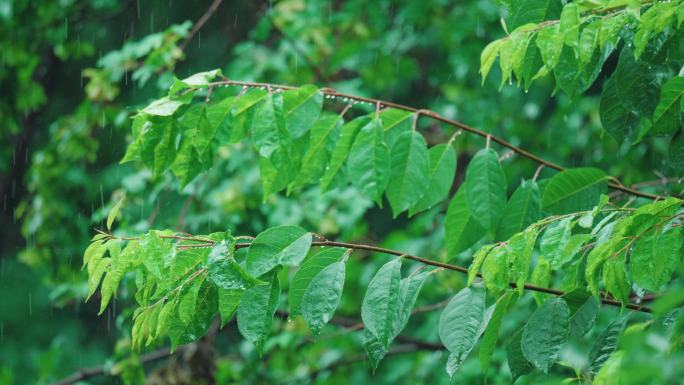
431	114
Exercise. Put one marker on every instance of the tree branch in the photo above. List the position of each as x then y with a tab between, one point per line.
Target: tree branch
431	114
200	23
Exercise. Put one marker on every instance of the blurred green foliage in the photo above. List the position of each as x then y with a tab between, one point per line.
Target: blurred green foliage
73	72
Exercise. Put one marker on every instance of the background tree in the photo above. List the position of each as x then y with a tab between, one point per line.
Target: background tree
62	177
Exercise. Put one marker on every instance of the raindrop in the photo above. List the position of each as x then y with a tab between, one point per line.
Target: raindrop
30	305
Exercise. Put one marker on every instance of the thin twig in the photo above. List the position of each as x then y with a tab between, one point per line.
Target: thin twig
200	23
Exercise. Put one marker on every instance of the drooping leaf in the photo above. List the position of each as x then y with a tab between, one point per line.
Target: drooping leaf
630	94
545	333
324	134
541	276
341	151
491	333
188	299
379	310
461	321
486	188
256	309
495	270
408	293
554	240
281	245
394	123
606	344
520	249
583	311
322	296
224	272
461	229
409	172
369	161
441	173
666	117
655	257
574	190
478	259
204	313
550	42
228	303
301	108
615	278
517	363
268	125
523	209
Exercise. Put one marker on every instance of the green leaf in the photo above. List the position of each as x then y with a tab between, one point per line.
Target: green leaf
533	11
379	309
187	164
611	372
369	161
198	80
224	272
461	321
408	293
281	245
441	174
584	309
487	57
574	190
541	276
615	278
606	344
268	125
324	133
569	24
666	117
588	42
219	116
256	309
228	303
675	152
163	107
491	334
409	171
495	270
486	188
523	209
93	254
394	123
205	311
301	108
309	269
94	278
478	259
409	288
550	41
250	99
461	229
545	333
322	296
630	94
517	362
341	151
165	150
188	299
521	248
655	257
554	240
114	212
